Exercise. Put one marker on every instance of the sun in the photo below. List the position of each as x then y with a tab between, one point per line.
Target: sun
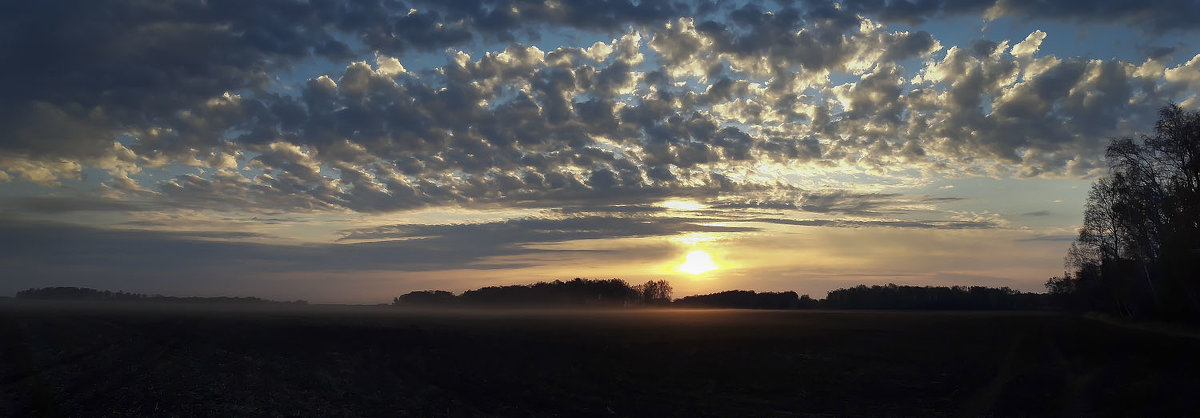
697	262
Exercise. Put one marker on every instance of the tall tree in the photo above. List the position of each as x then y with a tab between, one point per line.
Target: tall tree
1137	250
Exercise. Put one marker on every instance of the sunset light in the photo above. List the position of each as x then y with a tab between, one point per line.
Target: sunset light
463	144
697	262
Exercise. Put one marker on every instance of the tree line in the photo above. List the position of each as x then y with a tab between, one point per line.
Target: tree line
618	293
67	293
892	296
612	293
1138	251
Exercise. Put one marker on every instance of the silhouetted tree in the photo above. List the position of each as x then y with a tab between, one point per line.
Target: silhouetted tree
1136	252
655	292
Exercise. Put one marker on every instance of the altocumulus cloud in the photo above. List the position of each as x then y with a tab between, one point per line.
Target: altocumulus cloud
684	99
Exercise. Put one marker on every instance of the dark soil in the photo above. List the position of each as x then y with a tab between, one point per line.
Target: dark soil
108	360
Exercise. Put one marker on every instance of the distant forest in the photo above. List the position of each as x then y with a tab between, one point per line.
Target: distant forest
617	293
934	297
64	293
578	292
1138	252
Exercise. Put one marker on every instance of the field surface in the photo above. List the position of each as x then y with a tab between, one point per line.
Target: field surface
88	361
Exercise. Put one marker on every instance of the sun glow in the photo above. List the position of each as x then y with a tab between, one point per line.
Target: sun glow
697	262
682	205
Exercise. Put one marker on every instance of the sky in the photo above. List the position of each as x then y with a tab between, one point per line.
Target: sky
349	151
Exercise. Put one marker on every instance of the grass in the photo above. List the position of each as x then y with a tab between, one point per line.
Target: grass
84	360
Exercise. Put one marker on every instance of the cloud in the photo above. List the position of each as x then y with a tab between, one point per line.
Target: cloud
1153	16
57	205
917	224
154	68
677	101
1030	45
542	230
1052	238
841	201
39	253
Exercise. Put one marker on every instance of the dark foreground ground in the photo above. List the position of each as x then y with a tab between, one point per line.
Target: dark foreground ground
320	361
